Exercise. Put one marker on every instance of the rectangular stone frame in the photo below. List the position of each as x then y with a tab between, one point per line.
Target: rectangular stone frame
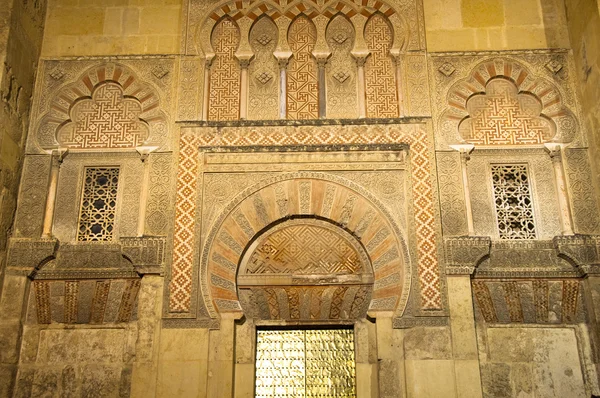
183	274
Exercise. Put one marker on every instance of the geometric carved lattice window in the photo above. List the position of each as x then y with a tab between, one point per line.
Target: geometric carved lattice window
512	196
305	363
98	205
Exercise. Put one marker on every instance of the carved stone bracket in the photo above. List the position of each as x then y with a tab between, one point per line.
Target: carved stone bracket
146	253
464	254
583	251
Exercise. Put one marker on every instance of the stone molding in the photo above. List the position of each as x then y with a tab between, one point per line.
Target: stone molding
564	256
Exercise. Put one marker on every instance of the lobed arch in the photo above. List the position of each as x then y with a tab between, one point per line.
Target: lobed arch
273	8
333	199
117	84
546	104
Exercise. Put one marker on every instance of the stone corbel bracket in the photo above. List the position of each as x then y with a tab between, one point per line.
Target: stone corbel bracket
583	251
465	253
25	255
147	254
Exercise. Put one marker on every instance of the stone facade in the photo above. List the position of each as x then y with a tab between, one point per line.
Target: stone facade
421	173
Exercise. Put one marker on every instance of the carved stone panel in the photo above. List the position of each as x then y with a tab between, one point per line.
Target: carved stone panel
542	301
532	103
341	70
263	96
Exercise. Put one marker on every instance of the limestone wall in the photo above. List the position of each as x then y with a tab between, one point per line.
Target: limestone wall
89	27
531	362
467	25
584	31
21	27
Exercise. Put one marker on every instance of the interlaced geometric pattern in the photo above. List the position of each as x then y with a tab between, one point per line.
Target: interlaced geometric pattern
305	363
98	205
382	99
302	88
304	249
180	286
512	196
224	95
502	116
107	120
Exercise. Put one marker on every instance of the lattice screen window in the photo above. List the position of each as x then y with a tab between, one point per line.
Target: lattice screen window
98	204
512	196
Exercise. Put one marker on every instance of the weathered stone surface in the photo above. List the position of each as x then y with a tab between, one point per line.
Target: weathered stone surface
528	362
427	343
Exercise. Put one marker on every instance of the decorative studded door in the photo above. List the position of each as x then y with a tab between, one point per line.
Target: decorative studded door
305	363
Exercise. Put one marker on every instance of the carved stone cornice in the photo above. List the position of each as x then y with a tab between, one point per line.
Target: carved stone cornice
525	259
564	256
463	254
124	258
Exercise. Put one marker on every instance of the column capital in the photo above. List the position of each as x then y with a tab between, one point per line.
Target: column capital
208	59
244	59
464	150
554	149
58	155
283	58
144	151
360	57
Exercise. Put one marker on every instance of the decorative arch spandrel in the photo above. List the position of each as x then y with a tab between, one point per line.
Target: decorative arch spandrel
108	107
263	101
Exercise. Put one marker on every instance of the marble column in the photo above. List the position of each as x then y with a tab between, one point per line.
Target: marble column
398	61
57	158
566	219
362	89
144	154
465	151
206	94
321	68
283	58
244	64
